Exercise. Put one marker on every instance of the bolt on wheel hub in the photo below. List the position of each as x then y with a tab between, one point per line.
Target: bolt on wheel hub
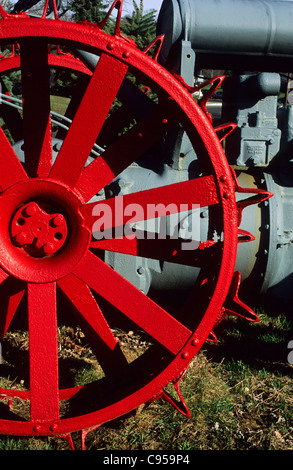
38	232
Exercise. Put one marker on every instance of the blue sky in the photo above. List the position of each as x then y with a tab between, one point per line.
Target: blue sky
128	5
148	4
152	4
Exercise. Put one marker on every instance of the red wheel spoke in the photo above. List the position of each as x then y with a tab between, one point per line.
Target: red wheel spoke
123	152
94	325
89	119
151	203
133	303
6	317
82	298
11	170
43	350
35	74
143	244
3	276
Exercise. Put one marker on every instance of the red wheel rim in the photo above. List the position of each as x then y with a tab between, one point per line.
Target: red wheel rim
76	269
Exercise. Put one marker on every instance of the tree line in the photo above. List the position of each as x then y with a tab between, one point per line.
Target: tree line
140	26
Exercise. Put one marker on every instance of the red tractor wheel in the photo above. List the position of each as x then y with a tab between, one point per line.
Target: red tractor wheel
49	257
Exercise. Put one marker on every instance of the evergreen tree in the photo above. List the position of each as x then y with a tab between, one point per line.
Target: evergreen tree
93	11
140	26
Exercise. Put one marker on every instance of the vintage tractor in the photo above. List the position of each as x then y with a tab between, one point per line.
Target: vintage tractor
145	205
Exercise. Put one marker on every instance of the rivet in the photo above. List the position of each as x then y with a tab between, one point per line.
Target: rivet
223	179
194	342
185	355
110	46
30	210
126	54
53	428
21	238
58	220
227	195
37	428
48	248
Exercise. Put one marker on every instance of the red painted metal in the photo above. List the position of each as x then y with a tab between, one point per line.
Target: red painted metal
234	306
43	354
129	147
200	191
38	232
12	62
63	190
180	405
99	96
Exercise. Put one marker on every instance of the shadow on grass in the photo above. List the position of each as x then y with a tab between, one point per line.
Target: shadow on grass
261	345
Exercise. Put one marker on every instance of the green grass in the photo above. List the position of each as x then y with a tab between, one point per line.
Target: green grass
59	104
19	443
239	392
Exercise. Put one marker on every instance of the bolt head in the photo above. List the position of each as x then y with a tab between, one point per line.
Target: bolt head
48	248
223	178
58	220
30	210
110	46
21	238
185	355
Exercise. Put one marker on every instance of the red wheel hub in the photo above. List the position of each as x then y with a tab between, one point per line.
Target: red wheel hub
43	233
38	232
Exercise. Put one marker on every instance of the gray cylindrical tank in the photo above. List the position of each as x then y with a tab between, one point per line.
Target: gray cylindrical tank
245	27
